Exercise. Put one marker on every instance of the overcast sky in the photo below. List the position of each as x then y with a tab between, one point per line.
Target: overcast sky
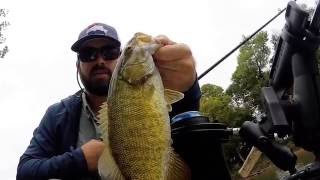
39	69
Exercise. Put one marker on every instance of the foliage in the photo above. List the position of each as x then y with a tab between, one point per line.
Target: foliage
217	105
274	41
3	25
251	73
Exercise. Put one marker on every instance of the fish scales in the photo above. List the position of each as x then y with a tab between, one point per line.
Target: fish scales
134	142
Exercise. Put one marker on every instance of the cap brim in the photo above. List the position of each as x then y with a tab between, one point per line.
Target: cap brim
78	44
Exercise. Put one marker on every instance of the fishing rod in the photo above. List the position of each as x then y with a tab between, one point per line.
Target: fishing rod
238	46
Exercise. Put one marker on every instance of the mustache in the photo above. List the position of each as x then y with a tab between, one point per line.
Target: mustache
101	68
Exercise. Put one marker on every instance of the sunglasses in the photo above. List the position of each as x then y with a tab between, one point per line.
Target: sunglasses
89	54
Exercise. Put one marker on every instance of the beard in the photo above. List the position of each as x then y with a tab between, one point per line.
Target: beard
96	86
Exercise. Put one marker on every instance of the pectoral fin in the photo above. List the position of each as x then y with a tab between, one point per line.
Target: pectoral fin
171	97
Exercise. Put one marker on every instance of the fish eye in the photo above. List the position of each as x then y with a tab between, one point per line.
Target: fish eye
128	50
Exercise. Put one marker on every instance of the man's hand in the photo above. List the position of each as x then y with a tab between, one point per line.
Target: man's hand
92	151
176	64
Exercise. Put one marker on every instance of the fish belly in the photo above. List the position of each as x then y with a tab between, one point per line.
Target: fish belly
139	132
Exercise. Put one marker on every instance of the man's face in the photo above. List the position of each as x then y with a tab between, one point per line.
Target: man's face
97	61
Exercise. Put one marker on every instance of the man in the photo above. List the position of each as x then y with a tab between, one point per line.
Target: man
65	145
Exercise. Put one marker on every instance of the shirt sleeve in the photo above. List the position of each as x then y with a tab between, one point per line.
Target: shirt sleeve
41	160
190	102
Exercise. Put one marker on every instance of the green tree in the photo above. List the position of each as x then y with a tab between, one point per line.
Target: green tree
3	25
210	90
218	106
251	73
215	103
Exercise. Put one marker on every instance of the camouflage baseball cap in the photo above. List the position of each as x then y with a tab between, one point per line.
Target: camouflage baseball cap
97	30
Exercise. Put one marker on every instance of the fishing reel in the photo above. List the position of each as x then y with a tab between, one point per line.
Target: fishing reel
199	143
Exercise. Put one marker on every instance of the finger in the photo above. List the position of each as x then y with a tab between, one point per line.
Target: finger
99	138
164	40
172	52
174	76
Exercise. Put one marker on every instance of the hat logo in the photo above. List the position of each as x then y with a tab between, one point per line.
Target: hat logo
97	28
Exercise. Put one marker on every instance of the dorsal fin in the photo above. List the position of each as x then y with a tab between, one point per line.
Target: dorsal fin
103	117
